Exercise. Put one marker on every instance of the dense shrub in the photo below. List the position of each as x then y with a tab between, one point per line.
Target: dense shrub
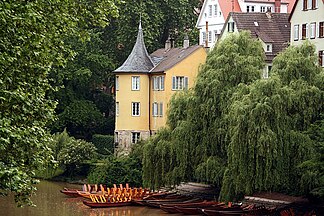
103	143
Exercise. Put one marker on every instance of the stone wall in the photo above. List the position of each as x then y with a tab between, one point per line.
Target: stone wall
124	140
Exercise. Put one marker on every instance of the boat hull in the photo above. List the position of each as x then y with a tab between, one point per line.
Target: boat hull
105	205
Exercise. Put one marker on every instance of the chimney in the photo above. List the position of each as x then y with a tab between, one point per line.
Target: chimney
168	44
186	41
277	6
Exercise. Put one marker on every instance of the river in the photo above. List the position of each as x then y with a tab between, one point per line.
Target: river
50	202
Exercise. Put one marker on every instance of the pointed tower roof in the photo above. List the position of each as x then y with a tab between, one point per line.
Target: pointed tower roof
138	60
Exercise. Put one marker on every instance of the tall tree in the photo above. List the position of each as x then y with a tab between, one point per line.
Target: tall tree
31	43
268	125
194	146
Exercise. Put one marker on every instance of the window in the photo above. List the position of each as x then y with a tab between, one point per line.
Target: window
136	137
215	10
117	83
210	10
321	58
230	27
155	109
161	109
135	109
310	4
321	29
216	35
116	137
269	9
179	83
312	30
203	37
268	47
296	32
117	108
304	31
135	83
210	37
248	8
262	9
252	8
158	83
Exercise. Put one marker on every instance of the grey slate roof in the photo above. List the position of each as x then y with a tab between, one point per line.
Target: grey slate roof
272	28
138	60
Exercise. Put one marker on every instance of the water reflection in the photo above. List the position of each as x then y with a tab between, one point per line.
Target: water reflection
50	202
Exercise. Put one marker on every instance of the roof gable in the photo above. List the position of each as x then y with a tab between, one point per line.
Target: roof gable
229	6
271	28
138	60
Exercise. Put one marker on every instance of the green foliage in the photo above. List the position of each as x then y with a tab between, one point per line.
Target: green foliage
81	118
242	133
268	139
193	147
31	38
116	170
105	144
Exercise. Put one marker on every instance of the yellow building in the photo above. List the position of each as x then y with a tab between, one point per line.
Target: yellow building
145	84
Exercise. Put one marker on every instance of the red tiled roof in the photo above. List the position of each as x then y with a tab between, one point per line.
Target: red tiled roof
291	5
228	6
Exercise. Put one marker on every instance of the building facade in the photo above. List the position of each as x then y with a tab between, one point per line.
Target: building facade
144	85
215	12
272	29
307	23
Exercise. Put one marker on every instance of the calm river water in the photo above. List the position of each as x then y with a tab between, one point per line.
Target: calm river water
51	202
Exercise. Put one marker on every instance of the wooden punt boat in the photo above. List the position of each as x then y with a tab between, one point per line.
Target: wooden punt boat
161	195
157	204
70	192
195	209
169	209
221	210
105	204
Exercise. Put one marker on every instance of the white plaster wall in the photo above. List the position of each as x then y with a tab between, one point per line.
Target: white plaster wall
300	17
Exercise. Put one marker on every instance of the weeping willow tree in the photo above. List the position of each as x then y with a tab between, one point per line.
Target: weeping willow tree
193	146
268	125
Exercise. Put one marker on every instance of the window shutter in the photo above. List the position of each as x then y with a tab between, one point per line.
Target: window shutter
186	83
304	31
321	29
173	83
161	109
320	58
305	5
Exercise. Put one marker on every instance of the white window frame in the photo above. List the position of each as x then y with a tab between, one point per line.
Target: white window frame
117	83
135	83
155	109
321	25
203	37
158	83
136	108
262	9
135	137
210	10
117	108
210	36
312	29
309	4
161	109
230	26
269	8
180	83
215	10
268	47
296	32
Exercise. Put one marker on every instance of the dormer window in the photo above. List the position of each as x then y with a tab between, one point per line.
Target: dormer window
268	47
230	26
